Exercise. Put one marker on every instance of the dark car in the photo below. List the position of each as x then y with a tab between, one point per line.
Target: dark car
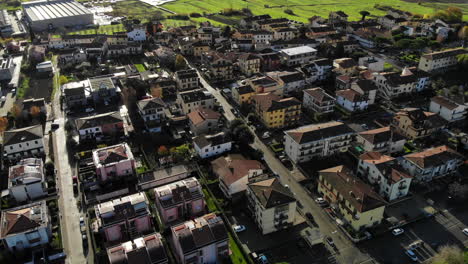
310	217
330	241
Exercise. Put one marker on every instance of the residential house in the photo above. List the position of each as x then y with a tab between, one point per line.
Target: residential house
152	112
102	89
318	140
26	180
273	205
416	123
99	127
319	32
269	61
440	60
275	112
351	100
146	249
32	104
162	87
384	139
249	64
124	219
179	201
7	68
208	34
318	70
26	226
354	201
219	67
75	94
162	176
266	84
199	48
372	63
235	172
262	37
24	142
389	21
247	21
187	79
292	81
284	33
338	16
242	94
318	101
393	84
190	100
389	178
203	121
131	48
212	145
366	88
349	46
6	26
297	56
201	240
345	66
448	109
266	24
136	33
114	162
432	163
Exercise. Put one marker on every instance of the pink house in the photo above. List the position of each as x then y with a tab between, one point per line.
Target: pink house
124	218
113	161
180	200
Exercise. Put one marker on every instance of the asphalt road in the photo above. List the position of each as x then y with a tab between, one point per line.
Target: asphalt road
348	253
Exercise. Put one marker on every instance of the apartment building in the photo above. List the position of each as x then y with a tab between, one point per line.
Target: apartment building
100	127
152	112
24	142
392	84
351	100
318	70
242	94
146	249
219	67
336	17
249	64
432	163
354	201
26	226
201	240
318	101
275	112
297	56
203	121
416	123
266	84
318	140
211	145
380	170
440	60
114	162
448	109
273	206
384	139
345	66
292	81
124	218
191	100
179	201
187	79
26	180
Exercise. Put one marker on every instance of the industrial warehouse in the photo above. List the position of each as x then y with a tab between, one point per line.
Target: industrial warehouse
44	15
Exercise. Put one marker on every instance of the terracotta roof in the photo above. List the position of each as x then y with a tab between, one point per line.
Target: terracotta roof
271	102
201	114
271	193
433	157
112	154
319	94
380	135
351	95
353	190
421	119
388	166
23	218
234	167
444	102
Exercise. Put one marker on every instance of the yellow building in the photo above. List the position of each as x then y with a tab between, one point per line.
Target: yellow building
242	94
199	48
440	60
276	112
355	201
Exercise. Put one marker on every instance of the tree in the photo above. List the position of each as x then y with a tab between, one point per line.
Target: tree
3	123
163	151
180	62
181	152
463	61
403	43
34	111
226	32
364	13
15	111
63	79
448	255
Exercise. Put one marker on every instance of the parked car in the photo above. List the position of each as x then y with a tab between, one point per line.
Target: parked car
330	241
13	92
238	228
3	99
465	231
82	223
266	135
309	217
411	255
415	245
322	202
397	231
262	259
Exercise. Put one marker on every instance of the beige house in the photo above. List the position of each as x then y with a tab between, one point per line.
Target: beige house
273	206
441	60
416	123
385	140
318	101
249	64
203	121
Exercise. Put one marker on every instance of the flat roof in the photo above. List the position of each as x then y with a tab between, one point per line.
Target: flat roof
45	10
298	50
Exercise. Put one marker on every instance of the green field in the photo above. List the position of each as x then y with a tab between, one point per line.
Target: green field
303	9
107	29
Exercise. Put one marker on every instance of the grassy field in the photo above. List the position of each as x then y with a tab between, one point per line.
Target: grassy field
107	29
303	9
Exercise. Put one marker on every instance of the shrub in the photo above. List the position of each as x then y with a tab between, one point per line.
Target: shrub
289	12
195	15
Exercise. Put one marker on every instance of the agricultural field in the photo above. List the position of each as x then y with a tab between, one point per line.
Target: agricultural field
107	29
303	9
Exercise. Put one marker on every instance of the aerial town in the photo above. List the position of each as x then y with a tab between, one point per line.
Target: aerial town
135	133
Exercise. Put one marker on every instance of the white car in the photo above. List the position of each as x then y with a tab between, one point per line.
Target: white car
411	255
465	231
321	201
415	245
397	231
238	228
266	135
82	223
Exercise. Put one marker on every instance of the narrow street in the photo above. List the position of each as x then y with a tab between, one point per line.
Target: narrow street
70	216
348	252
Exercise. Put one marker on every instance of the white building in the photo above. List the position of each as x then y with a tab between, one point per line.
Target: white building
351	100
152	112
235	172
366	88
273	206
23	142
191	100
440	60
292	81
211	145
187	79
137	34
372	63
26	180
384	171
318	101
393	84
318	140
26	226
297	56
318	70
432	163
385	140
448	109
